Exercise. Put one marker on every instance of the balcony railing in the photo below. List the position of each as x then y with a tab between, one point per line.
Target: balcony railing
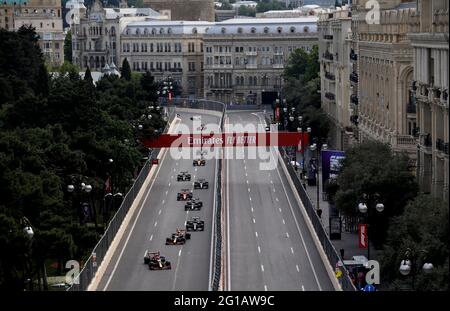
353	56
328	56
354	99
278	66
354	77
328	37
248	53
330	76
329	96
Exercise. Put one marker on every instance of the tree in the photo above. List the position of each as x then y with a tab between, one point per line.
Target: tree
423	226
246	11
68	47
126	70
225	6
372	168
88	76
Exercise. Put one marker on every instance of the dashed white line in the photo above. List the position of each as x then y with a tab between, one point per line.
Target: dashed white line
250	198
254	220
256	233
167	192
251	209
265	288
262	268
151	237
284	222
245	167
273	189
279	209
159	213
179	253
163	201
247	181
292	250
248	189
169	184
271	182
303	288
156	223
287	235
171	177
296	267
246	175
259	249
276	199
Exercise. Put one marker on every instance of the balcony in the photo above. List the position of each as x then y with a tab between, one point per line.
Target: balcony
441	146
354	77
353	56
329	76
278	66
328	56
330	96
354	99
328	37
251	53
406	143
426	142
217	87
251	66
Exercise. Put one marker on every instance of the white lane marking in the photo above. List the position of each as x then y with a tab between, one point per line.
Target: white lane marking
245	167
262	268
254	220
271	182
273	189
156	223
296	267
303	288
167	192
256	233
246	175
159	213
163	201
284	222
276	199
287	235
279	209
292	250
247	181
151	237
259	249
250	198
196	169
251	209
169	184
174	170
298	229
179	253
265	288
248	189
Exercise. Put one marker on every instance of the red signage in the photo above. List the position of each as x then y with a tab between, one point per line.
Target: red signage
362	236
155	161
277	114
228	140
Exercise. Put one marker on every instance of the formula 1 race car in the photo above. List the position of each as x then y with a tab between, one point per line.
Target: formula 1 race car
184	176
155	261
199	162
193	205
184	195
195	224
201	183
178	238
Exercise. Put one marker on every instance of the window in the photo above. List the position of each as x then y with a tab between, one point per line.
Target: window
56	45
138	32
53	25
253	30
266	29
223	30
161	30
239	30
292	29
169	31
194	30
280	29
306	29
153	31
191	66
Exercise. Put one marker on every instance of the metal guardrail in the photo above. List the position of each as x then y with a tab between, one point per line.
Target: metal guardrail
333	257
82	281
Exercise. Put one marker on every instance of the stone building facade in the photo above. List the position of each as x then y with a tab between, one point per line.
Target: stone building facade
45	16
430	41
187	10
245	58
169	50
335	46
383	75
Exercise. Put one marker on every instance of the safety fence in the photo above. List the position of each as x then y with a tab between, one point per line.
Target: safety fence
83	279
332	255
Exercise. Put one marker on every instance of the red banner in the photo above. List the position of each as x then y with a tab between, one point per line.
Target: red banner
228	140
362	236
277	114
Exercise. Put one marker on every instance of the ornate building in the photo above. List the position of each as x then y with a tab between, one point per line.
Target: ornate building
335	46
45	16
383	75
430	41
96	38
245	58
187	10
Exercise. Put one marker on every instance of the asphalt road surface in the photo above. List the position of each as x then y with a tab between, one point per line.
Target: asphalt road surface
160	216
270	246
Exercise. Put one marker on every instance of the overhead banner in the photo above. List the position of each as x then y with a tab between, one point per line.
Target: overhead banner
331	165
228	140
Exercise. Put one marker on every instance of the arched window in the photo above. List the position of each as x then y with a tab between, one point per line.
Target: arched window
292	29
253	30
280	29
266	29
194	30
161	30
146	31
154	31
113	31
239	30
169	30
306	29
223	30
138	31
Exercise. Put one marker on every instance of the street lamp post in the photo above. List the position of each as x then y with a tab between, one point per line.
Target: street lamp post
410	264
29	233
370	202
318	146
83	188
